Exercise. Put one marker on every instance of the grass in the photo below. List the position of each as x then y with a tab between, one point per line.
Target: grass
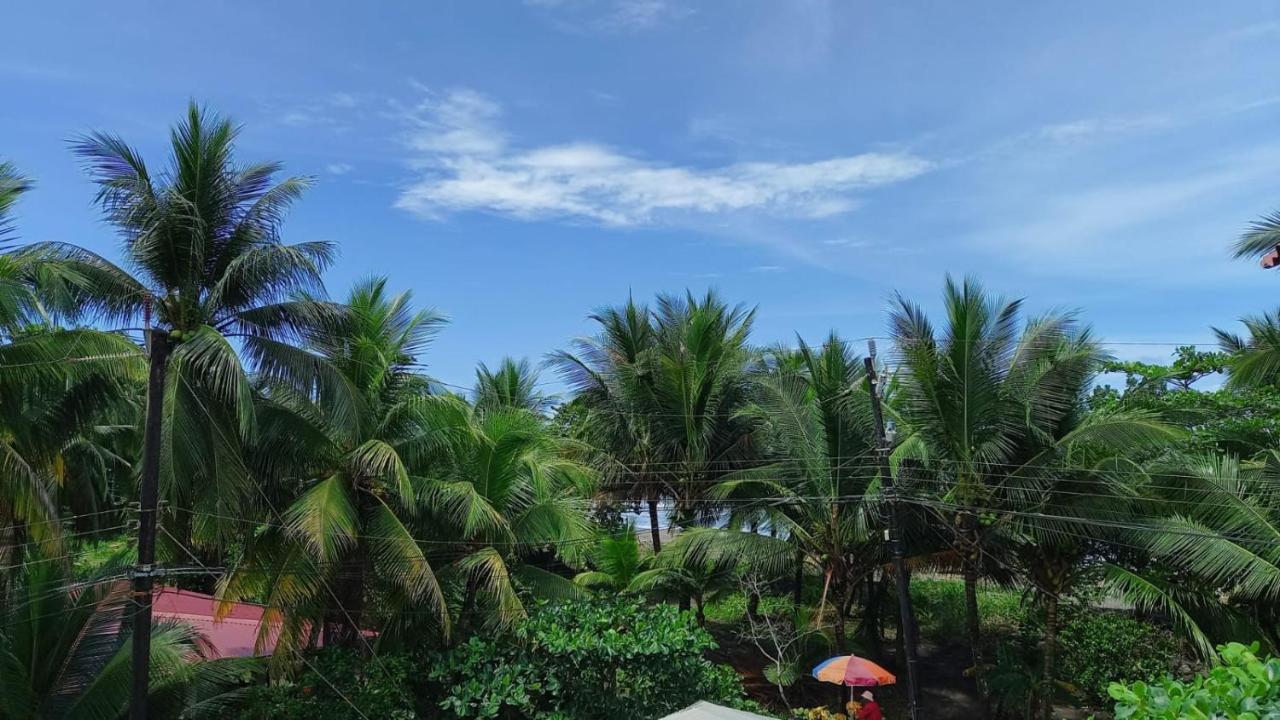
939	605
732	608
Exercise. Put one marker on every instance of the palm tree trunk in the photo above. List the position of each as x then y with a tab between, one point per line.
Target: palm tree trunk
973	621
343	627
702	611
842	639
1050	655
148	504
871	619
798	588
654	530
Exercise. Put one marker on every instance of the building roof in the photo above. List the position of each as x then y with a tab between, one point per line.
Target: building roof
232	636
703	710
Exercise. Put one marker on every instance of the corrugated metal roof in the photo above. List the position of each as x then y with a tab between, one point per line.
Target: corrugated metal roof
232	636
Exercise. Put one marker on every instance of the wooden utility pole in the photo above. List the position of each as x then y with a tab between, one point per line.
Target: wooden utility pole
148	503
910	640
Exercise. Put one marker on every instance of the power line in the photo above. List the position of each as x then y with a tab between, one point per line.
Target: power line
301	655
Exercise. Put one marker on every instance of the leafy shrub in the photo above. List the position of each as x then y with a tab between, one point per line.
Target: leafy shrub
1096	648
582	661
939	605
380	687
1243	687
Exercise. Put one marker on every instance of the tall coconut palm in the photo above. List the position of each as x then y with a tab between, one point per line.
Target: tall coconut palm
65	646
202	240
1061	483
821	490
610	374
972	397
342	438
203	266
699	388
664	388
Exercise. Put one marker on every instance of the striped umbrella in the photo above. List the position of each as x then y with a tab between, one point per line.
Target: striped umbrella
853	670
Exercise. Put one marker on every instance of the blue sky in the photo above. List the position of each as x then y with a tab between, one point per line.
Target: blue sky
518	164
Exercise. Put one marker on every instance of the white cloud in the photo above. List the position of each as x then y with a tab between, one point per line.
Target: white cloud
768	268
338	168
470	164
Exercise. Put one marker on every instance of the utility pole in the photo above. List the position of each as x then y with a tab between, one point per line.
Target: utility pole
895	540
148	501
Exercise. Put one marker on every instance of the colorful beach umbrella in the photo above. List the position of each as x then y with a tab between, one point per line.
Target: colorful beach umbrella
853	670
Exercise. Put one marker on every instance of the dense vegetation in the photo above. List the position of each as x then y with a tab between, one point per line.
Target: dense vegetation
473	552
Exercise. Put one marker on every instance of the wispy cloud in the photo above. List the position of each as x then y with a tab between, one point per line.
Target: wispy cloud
469	163
338	168
332	111
768	268
1100	127
611	16
1132	226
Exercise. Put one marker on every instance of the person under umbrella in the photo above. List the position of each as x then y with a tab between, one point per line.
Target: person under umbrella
870	709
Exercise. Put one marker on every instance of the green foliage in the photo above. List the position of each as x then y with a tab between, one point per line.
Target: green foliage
581	661
940	611
1100	647
380	688
732	608
92	557
1242	687
1242	419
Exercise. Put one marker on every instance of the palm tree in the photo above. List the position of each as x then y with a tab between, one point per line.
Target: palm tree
699	388
1214	533
56	386
973	399
205	265
202	238
821	490
616	560
664	389
65	647
514	385
679	575
343	438
1255	360
12	186
512	492
610	374
1062	486
1261	238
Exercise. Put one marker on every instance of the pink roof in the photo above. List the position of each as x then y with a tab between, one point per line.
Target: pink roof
232	636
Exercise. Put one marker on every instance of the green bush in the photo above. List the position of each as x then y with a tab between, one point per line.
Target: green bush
380	687
582	661
1096	648
1242	687
939	605
732	607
